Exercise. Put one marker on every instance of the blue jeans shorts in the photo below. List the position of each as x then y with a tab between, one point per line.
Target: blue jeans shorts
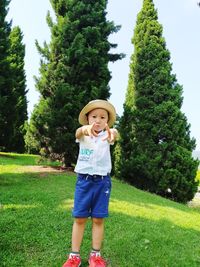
91	198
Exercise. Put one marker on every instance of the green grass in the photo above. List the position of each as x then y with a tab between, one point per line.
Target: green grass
23	160
17	159
143	230
198	176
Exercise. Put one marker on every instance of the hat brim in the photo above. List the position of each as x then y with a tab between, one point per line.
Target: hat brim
83	120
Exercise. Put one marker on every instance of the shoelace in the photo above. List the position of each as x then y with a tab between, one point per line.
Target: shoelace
98	259
73	259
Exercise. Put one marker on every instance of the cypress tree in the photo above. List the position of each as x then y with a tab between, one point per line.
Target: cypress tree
74	70
6	94
36	129
16	59
156	148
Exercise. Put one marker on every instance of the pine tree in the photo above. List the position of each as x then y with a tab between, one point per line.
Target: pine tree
156	148
16	59
36	129
6	93
74	70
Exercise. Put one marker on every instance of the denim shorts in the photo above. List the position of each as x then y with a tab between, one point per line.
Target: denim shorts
91	198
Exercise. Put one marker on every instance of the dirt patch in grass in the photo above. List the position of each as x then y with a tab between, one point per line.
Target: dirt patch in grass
47	169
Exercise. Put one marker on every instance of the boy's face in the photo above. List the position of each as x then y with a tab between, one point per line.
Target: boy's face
98	116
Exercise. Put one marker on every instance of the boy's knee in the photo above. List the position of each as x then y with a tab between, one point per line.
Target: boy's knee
80	221
97	221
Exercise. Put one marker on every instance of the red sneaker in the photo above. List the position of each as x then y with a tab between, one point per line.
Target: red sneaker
96	261
73	261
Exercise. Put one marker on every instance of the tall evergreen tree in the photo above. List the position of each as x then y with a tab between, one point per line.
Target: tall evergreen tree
16	59
7	110
156	148
74	70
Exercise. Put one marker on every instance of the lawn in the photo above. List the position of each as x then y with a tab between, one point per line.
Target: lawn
198	176
143	230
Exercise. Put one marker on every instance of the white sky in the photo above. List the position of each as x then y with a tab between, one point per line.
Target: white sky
180	20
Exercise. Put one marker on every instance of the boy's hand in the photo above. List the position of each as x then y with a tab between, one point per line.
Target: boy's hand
89	130
111	134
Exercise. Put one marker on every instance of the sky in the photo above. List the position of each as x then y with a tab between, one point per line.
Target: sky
180	20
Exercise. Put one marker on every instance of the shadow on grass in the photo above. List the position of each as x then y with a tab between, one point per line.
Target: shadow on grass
11	179
130	194
36	226
18	159
25	159
140	242
33	223
150	200
2	155
36	237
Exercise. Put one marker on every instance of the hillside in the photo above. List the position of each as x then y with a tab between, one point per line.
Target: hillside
143	230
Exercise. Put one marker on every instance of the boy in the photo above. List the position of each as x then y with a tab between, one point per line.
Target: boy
93	185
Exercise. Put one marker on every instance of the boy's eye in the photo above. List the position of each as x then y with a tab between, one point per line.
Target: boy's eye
103	117
93	116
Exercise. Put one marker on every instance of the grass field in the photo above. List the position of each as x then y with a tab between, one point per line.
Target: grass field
198	176
143	230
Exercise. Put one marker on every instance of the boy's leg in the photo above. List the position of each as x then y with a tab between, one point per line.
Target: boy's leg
97	232
77	233
95	258
74	259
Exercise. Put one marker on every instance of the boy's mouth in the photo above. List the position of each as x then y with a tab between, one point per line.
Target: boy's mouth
98	132
98	128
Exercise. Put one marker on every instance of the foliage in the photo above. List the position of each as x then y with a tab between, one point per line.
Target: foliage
115	150
73	71
7	100
36	222
37	128
16	60
156	148
13	103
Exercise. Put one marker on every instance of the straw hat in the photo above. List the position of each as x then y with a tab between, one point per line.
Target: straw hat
98	103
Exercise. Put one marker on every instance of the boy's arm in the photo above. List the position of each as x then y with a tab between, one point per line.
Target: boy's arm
79	133
115	133
87	130
112	135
